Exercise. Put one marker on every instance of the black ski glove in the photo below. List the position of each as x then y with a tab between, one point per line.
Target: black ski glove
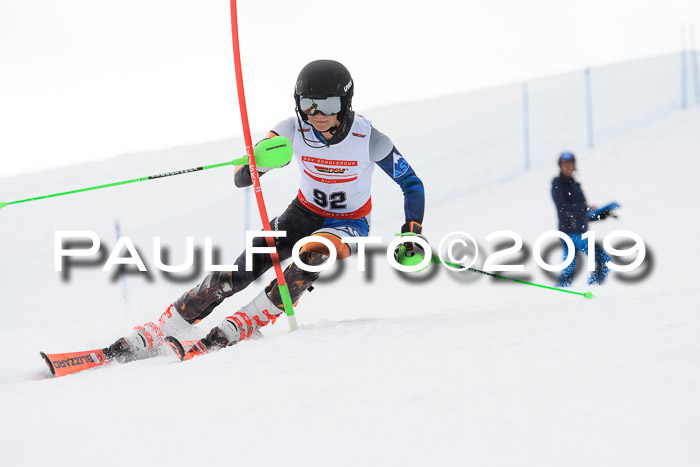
603	214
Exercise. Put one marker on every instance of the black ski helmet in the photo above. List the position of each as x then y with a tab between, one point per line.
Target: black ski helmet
325	78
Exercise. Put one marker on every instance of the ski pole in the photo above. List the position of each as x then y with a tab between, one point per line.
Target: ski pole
436	259
273	152
283	288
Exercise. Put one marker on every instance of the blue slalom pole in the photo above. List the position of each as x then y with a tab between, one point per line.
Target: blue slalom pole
246	221
694	59
684	72
589	106
526	126
122	275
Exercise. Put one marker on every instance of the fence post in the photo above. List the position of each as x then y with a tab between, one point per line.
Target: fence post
526	127
694	59
246	221
122	274
684	79
589	106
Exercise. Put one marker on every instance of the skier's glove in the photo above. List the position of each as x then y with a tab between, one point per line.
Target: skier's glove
604	212
410	253
413	227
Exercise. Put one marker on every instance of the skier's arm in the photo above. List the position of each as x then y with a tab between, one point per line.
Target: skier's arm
242	176
602	213
385	154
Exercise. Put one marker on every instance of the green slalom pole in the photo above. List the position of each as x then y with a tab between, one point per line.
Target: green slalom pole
272	152
436	259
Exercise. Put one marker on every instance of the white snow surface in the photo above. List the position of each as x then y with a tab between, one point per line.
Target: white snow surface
448	369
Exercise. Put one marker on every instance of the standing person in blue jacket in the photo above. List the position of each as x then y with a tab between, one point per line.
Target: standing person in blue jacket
574	216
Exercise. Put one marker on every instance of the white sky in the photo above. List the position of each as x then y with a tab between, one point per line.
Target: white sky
82	80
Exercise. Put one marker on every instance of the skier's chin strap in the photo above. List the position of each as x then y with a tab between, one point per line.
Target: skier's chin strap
338	133
335	133
310	143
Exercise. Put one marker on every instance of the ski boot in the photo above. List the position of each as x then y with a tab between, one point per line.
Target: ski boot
147	340
242	325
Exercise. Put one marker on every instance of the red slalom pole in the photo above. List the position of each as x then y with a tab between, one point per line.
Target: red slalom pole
284	290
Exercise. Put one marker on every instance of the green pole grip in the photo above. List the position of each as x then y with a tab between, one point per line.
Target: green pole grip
272	152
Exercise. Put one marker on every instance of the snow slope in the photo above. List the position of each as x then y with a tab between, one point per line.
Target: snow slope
441	368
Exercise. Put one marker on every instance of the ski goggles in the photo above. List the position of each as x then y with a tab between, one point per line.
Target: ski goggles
328	106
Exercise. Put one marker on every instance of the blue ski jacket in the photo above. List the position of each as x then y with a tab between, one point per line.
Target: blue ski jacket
571	205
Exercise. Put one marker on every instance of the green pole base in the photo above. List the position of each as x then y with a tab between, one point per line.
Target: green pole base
2	205
588	295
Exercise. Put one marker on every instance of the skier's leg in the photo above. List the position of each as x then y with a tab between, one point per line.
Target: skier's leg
566	277
316	253
601	258
147	340
267	306
601	268
200	301
189	308
299	280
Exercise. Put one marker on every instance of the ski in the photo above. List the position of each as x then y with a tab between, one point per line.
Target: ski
186	350
62	364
